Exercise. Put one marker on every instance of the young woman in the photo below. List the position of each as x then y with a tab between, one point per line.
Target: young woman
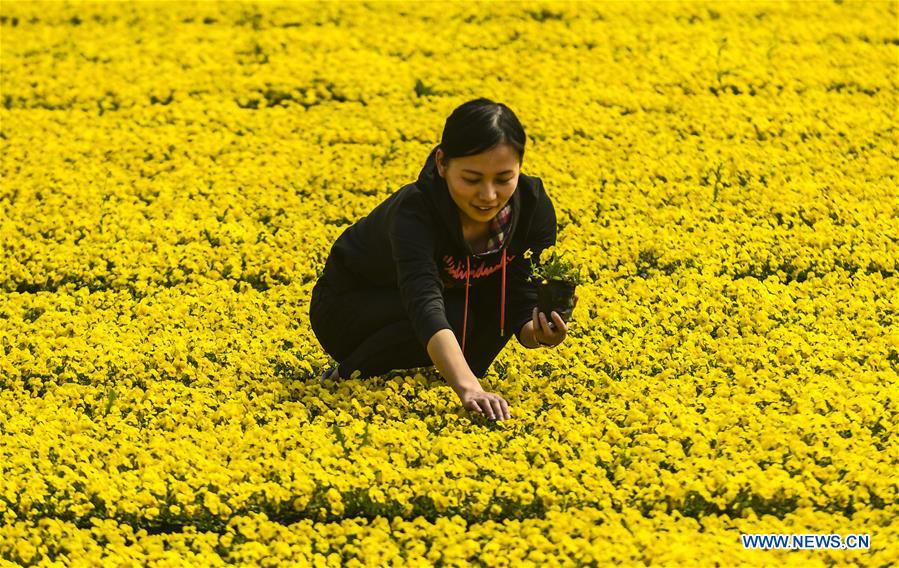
434	275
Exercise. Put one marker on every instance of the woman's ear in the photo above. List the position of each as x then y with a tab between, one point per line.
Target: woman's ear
438	159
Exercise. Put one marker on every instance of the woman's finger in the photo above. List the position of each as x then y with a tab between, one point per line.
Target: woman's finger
477	407
505	408
488	407
544	324
560	323
538	327
497	409
554	324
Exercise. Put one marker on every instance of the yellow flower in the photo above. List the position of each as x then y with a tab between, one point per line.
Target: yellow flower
251	260
547	254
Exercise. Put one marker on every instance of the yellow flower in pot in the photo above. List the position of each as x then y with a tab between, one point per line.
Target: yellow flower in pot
557	277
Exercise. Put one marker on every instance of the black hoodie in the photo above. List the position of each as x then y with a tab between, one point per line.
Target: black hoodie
413	241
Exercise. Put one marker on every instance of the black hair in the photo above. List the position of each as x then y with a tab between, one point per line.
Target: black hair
479	125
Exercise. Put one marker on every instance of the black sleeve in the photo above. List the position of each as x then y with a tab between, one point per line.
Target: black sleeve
412	244
541	235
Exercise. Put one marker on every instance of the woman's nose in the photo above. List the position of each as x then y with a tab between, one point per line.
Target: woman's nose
489	195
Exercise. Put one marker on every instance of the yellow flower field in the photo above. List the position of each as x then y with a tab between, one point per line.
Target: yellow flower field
174	174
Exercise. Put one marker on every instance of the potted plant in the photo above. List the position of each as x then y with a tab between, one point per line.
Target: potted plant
556	277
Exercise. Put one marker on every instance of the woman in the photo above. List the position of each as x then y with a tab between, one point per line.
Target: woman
435	273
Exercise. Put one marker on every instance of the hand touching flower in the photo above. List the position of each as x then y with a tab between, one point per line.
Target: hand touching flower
486	404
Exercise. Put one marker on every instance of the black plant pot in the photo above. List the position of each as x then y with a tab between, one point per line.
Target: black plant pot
555	295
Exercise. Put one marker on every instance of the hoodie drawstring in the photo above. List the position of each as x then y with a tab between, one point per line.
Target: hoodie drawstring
502	305
465	318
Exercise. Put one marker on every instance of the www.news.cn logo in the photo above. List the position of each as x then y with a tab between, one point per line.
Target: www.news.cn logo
806	541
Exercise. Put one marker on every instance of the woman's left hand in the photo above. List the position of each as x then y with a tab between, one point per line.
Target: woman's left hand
549	334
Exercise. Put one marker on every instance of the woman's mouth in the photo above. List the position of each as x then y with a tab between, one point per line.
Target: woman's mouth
484	209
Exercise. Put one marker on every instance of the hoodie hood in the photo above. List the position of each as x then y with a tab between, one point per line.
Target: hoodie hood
436	190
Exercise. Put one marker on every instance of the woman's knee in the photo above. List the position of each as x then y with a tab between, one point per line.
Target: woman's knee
393	347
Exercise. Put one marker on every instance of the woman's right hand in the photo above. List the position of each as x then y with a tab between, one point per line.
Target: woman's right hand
486	404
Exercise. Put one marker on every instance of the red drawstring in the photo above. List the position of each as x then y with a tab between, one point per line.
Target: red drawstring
465	319
502	309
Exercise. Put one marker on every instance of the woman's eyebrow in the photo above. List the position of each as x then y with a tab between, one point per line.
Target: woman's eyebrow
500	173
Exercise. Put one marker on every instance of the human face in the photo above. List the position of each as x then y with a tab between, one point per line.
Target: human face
486	180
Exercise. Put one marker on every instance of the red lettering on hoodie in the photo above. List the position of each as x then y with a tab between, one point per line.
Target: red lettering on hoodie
455	269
